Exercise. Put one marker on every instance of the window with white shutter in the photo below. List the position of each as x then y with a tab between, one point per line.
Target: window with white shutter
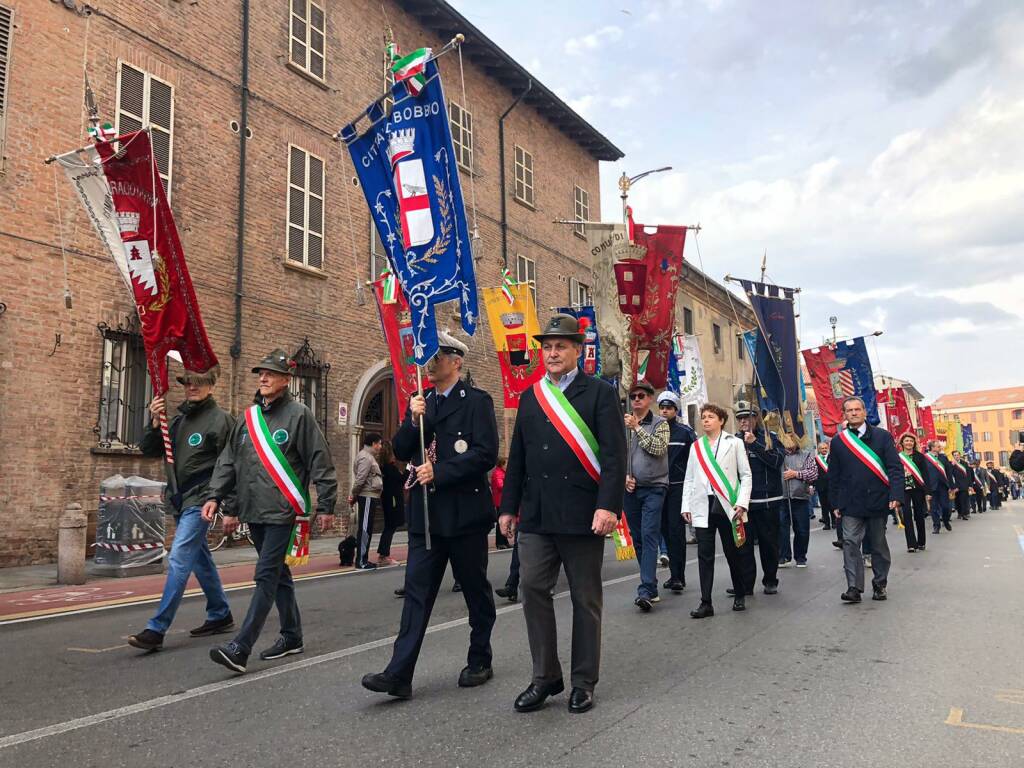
580	211
526	272
6	33
144	100
308	37
305	242
579	293
524	176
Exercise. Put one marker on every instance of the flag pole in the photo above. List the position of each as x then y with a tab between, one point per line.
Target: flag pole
423	454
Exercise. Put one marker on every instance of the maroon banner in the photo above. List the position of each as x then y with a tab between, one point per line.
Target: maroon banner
396	322
897	413
654	325
926	423
631	280
164	297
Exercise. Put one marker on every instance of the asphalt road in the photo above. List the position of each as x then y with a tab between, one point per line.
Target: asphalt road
932	677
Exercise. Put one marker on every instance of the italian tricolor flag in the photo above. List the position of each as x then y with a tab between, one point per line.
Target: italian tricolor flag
507	284
410	69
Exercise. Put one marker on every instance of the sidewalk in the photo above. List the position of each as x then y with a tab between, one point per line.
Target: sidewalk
32	591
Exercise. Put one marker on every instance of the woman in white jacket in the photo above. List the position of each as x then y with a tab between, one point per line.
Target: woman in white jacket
715	493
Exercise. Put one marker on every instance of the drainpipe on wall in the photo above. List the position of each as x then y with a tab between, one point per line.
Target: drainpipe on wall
243	130
501	172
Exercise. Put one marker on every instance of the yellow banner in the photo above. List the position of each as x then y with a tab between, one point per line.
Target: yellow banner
513	327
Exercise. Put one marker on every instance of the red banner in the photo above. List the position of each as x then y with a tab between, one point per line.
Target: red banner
897	412
631	279
926	423
829	389
654	325
166	302
396	321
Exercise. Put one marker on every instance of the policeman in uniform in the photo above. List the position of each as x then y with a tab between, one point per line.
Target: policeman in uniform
462	438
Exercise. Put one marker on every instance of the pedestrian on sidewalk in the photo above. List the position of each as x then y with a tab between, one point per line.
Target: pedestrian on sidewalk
715	498
866	482
198	432
798	473
918	492
392	499
270	460
566	470
367	484
497	486
765	457
647	437
462	435
673	530
511	589
940	480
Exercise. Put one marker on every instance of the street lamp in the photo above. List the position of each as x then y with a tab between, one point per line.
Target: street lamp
625	182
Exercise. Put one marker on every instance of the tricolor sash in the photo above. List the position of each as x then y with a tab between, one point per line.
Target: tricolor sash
822	462
718	481
911	468
286	480
863	451
570	426
960	466
936	463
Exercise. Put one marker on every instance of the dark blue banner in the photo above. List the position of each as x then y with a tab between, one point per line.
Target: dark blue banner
406	168
768	381
968	433
590	360
773	308
857	367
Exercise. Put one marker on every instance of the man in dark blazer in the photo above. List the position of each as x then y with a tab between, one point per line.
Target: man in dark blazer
862	499
963	479
940	480
567	501
462	439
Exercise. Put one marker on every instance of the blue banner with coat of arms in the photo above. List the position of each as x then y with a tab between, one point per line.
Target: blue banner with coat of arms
406	168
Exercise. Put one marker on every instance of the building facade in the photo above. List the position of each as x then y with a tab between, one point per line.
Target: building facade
289	267
996	418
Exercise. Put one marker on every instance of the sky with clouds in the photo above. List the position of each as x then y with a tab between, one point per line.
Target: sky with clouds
874	149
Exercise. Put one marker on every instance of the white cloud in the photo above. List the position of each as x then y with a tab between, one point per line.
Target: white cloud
576	46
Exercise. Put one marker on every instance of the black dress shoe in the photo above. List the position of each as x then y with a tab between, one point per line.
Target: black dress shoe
936	530
580	700
837	544
852	595
772	590
732	592
509	593
400	592
739	603
456	587
147	640
213	627
704	610
675	585
382	682
947	526
472	676
879	594
536	694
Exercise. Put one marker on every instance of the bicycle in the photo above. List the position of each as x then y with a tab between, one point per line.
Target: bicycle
216	537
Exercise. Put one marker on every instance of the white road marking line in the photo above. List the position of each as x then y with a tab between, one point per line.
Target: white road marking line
163	701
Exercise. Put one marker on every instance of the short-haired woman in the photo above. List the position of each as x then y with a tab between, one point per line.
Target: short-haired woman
915	486
716	493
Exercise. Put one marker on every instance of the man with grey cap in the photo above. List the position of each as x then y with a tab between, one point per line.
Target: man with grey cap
564	480
680	438
198	432
271	458
462	438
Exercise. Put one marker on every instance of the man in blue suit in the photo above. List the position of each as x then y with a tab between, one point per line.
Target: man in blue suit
865	483
941	483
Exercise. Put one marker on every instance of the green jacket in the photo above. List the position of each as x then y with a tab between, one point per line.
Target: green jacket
240	471
199	432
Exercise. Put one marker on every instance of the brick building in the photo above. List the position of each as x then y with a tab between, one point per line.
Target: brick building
73	387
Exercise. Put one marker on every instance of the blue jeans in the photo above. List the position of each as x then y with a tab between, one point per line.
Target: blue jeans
190	553
801	529
643	515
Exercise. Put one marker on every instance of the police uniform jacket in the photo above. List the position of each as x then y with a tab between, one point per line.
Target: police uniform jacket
681	437
545	481
198	432
855	490
467	448
765	466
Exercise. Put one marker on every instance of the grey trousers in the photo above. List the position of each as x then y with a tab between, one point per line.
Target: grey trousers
855	530
540	557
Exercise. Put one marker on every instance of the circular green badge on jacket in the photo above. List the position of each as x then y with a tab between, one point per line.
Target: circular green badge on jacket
280	436
195	439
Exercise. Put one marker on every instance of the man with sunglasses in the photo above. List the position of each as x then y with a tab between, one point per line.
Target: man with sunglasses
646	484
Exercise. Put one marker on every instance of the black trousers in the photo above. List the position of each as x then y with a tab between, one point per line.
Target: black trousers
963	504
673	530
764	519
274	586
826	511
394	516
740	559
915	511
424	572
364	527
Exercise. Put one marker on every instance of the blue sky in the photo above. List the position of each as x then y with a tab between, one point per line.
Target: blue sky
874	149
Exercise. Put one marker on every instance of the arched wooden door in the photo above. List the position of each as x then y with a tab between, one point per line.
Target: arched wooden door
380	414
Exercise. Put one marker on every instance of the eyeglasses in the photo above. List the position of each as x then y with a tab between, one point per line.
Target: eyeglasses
637	395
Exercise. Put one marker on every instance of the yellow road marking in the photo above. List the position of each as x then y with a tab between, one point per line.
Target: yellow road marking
1010	696
956	718
100	650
